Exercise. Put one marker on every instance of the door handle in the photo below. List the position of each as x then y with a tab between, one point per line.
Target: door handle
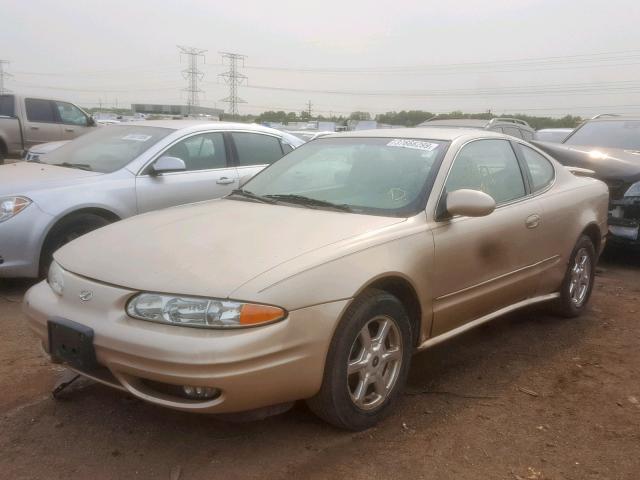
35	128
224	181
71	130
532	221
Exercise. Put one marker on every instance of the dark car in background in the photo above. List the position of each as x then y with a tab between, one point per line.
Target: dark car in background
509	126
554	135
609	145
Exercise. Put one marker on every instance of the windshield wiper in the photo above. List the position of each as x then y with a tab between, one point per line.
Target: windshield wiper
251	195
80	166
310	202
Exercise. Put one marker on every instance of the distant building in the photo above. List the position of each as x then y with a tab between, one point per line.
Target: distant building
178	110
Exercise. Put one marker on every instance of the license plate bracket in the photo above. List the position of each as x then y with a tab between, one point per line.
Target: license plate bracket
71	343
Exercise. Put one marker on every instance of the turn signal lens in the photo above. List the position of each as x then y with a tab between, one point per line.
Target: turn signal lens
201	312
11	206
251	314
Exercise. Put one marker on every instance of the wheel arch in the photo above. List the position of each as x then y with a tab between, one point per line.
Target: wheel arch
401	288
99	211
592	230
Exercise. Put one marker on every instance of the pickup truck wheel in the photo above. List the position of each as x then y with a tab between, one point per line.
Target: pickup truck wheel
2	156
67	230
578	281
367	363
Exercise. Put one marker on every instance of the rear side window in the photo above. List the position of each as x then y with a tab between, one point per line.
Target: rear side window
256	149
40	110
7	108
490	166
527	135
541	170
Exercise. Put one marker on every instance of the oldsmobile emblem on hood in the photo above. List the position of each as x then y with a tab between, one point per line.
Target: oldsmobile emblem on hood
86	295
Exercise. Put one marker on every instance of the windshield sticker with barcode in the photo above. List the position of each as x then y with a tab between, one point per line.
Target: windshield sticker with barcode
413	144
136	137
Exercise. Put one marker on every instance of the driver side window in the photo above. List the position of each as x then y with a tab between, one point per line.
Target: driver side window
490	166
200	152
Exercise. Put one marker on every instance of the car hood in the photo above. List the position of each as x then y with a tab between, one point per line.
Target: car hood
608	163
43	148
209	248
24	177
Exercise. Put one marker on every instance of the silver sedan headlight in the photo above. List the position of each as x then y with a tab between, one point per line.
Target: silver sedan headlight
201	312
633	191
11	206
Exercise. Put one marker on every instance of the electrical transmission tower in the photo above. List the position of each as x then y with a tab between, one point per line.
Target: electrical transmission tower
192	74
3	76
233	78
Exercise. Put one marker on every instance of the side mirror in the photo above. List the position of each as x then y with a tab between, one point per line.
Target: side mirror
244	179
469	203
166	164
91	122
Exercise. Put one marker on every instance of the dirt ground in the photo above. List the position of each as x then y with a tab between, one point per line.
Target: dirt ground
525	397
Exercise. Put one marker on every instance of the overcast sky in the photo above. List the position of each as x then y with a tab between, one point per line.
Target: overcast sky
530	56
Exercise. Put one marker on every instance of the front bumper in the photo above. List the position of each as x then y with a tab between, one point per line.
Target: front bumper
624	221
252	368
21	238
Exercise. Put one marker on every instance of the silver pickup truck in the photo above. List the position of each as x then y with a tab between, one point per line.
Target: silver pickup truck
27	121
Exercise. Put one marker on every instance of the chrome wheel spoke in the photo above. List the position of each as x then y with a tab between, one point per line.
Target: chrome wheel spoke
357	366
374	362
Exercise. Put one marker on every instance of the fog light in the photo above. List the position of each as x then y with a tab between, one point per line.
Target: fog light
200	393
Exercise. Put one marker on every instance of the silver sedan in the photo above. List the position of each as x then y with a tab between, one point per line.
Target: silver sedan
120	171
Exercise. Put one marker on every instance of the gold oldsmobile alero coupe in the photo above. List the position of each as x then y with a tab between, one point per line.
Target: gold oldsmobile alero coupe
321	277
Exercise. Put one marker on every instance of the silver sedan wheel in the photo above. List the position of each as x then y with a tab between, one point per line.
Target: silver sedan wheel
580	277
374	362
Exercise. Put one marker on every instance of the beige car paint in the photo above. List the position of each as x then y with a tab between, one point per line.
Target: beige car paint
312	263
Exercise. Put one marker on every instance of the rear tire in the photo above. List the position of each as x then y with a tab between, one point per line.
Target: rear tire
578	281
67	230
367	363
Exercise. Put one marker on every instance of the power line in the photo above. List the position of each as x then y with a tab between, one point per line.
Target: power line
192	74
4	75
233	78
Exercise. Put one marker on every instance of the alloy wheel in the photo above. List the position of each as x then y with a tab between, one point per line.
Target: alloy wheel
580	279
374	363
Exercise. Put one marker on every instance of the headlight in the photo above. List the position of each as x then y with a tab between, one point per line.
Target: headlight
55	278
11	206
201	312
633	191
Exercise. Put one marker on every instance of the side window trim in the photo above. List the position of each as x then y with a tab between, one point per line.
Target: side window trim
439	208
524	168
144	170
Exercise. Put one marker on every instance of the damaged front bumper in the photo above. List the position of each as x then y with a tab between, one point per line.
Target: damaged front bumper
624	221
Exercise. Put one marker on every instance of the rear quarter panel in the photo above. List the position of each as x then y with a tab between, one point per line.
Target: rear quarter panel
573	205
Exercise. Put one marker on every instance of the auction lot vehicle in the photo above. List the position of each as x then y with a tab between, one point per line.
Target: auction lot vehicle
322	275
28	121
553	135
119	171
609	146
509	126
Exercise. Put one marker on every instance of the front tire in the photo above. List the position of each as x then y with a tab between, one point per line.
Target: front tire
367	363
578	281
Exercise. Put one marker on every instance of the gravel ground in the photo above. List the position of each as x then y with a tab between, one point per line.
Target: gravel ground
528	396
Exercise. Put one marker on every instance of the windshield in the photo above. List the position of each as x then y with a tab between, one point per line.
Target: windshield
106	149
379	176
624	134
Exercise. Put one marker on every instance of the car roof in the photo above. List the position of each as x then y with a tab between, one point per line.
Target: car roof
198	125
426	133
460	122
